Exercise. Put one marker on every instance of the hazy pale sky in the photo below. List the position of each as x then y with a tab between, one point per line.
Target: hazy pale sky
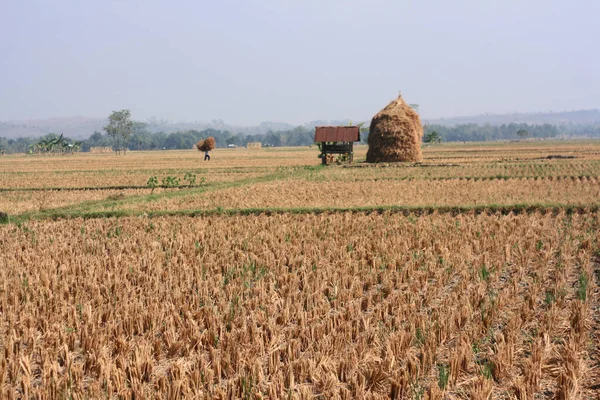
246	61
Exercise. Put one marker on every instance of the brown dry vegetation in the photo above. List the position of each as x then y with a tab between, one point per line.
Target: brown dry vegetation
338	306
395	134
42	200
342	305
452	192
512	151
544	168
162	160
207	144
85	170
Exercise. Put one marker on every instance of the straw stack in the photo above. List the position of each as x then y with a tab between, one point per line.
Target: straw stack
395	134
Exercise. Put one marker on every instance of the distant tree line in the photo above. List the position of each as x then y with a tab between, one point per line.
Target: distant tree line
140	138
50	144
482	133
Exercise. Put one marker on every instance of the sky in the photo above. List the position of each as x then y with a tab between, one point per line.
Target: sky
294	61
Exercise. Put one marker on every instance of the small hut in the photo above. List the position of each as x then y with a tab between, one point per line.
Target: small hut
336	140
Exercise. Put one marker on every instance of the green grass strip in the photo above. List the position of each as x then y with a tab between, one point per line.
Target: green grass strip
90	188
109	206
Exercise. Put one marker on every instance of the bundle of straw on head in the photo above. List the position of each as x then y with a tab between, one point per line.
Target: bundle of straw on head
395	134
207	144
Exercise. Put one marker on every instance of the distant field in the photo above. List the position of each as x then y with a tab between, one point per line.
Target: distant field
452	175
261	274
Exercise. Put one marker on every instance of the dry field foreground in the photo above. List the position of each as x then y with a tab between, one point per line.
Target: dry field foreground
333	306
321	304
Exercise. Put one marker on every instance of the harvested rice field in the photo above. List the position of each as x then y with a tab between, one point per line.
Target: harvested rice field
15	202
412	193
260	274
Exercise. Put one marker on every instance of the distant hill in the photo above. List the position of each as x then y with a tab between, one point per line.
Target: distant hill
75	127
81	127
552	118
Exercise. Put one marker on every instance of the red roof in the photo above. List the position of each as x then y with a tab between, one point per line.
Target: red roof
337	134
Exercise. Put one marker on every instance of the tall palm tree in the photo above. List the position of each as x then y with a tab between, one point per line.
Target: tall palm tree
43	145
56	144
76	147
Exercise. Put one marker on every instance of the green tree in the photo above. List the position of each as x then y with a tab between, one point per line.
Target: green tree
522	133
120	127
232	140
432	138
51	144
76	147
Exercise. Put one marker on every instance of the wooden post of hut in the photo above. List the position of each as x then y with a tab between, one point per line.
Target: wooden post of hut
336	140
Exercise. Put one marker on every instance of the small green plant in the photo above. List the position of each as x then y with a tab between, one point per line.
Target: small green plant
539	245
485	367
485	273
443	376
419	336
114	233
152	183
190	178
487	370
247	387
170	181
150	227
550	298
583	286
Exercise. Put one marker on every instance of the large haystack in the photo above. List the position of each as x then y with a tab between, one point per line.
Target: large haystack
207	144
254	145
395	134
101	150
